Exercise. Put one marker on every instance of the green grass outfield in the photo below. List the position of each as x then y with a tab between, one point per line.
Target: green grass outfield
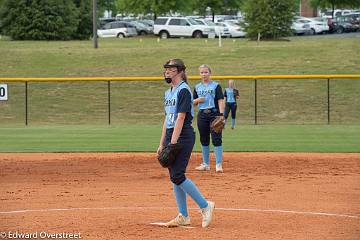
280	101
72	116
132	57
129	138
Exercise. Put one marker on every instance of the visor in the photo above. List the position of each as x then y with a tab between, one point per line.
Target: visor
170	65
179	67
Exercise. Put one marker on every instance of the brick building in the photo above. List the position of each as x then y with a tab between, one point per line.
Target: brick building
306	10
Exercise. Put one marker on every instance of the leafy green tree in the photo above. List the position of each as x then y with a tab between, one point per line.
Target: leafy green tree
106	5
163	7
217	7
333	4
126	7
155	7
39	20
271	19
11	18
1	3
84	28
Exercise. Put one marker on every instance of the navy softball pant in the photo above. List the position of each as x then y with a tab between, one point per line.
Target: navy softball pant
178	169
230	107
203	122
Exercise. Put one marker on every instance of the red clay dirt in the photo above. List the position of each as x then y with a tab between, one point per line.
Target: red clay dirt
117	195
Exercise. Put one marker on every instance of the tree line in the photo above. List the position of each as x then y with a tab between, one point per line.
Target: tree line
48	19
72	19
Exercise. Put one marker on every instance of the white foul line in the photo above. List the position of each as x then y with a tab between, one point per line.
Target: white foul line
288	211
222	209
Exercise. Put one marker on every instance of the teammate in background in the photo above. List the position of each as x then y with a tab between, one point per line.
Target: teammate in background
209	98
231	94
177	128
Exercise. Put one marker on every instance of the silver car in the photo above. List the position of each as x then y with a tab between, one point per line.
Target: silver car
142	29
224	31
117	29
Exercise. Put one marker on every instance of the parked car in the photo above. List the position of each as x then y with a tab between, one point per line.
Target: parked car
117	29
219	30
316	26
337	13
221	18
147	22
346	24
300	28
142	29
103	21
166	27
234	29
355	20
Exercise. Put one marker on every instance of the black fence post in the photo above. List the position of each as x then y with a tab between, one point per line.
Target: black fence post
328	101
255	98
109	103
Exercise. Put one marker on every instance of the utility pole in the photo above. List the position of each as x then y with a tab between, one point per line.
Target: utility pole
95	40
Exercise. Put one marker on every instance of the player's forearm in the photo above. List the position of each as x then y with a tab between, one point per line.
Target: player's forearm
178	127
198	100
221	105
163	133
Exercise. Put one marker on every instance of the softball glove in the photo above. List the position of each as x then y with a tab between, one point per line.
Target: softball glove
168	155
218	124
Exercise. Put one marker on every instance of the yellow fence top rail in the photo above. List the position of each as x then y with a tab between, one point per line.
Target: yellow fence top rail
28	79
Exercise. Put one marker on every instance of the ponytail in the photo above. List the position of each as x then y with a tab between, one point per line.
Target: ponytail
184	77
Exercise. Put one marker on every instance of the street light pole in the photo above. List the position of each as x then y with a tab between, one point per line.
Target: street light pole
95	40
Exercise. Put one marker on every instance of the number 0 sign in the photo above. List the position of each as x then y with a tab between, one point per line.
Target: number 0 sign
3	92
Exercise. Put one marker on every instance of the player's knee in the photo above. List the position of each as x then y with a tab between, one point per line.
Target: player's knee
217	142
205	141
178	179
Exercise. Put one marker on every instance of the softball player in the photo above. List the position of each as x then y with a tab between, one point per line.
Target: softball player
209	98
177	128
231	94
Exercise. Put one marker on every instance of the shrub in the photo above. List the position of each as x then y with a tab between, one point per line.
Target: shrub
271	19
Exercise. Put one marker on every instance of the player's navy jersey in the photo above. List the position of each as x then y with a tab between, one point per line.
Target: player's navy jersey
229	94
211	92
176	100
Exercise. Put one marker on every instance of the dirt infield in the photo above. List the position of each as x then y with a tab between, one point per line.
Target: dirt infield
117	196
